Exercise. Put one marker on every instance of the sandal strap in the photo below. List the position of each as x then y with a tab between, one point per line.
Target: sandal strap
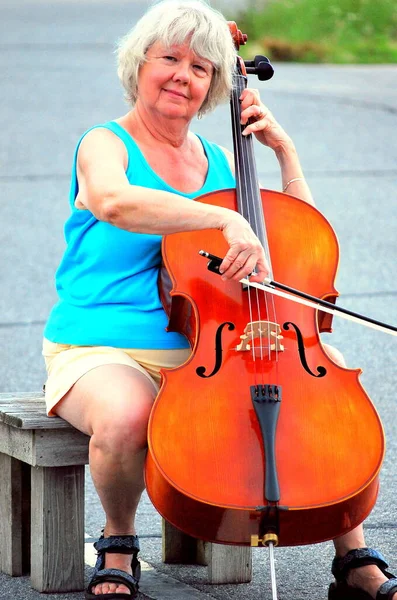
357	558
387	589
114	576
120	544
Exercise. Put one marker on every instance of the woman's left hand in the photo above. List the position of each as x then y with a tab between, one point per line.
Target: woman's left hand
264	126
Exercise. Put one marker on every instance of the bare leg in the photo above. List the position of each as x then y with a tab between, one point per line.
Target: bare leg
368	578
112	404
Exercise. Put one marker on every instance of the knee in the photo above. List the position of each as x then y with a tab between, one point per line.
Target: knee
123	432
335	355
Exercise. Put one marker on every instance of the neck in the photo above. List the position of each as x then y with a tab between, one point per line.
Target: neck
159	129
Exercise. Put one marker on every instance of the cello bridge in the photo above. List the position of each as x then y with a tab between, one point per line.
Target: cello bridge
265	331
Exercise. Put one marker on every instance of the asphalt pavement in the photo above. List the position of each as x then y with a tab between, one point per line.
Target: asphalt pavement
59	78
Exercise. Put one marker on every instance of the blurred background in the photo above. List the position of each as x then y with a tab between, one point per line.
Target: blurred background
320	31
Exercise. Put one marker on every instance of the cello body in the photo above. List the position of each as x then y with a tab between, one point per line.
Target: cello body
207	460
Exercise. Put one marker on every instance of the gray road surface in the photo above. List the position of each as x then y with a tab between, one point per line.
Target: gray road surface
59	79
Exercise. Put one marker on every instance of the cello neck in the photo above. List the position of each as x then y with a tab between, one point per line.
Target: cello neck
249	200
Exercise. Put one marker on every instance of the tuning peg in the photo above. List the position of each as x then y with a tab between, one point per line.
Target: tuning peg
261	67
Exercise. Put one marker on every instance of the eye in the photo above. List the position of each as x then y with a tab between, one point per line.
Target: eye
169	57
201	70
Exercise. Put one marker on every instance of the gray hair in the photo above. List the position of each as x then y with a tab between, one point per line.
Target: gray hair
172	22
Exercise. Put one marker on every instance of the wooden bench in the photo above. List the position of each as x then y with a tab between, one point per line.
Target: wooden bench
42	505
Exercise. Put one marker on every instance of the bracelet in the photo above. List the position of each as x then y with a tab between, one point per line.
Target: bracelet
291	180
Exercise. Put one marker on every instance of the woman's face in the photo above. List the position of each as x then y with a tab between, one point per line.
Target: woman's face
174	81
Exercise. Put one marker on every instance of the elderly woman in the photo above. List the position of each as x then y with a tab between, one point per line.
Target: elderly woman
133	181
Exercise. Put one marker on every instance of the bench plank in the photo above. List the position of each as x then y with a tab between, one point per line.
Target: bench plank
33	419
46	448
28	412
20	396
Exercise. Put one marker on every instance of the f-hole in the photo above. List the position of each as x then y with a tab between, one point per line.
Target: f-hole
321	371
218	351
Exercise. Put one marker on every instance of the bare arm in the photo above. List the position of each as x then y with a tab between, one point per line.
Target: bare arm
291	170
105	191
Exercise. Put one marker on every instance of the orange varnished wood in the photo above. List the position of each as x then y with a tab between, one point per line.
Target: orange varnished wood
205	468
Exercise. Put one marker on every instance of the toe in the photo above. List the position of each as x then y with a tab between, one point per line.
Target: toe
110	588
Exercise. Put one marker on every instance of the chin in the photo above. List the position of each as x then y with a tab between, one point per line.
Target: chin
175	114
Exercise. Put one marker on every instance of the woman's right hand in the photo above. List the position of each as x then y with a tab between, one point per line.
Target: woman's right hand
245	254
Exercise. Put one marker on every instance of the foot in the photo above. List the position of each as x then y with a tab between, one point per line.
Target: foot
368	578
107	559
115	561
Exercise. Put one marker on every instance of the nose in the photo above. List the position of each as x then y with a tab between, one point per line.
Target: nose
182	73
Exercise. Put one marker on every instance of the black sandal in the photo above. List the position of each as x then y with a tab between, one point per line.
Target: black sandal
340	590
116	544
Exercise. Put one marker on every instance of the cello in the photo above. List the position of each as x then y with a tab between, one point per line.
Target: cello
247	439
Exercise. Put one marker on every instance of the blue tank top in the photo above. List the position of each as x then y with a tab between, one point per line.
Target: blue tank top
107	279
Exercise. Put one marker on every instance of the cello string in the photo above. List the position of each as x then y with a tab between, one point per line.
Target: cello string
261	228
243	179
240	165
257	220
247	178
260	225
246	181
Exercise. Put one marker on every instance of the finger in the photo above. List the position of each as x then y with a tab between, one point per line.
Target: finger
245	263
236	266
254	112
234	261
246	270
262	270
254	268
249	96
255	127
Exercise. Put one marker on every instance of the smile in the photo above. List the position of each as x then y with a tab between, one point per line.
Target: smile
175	93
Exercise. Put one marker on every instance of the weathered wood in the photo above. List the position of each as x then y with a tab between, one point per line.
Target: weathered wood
229	564
57	454
226	564
36	421
28	412
46	448
17	396
30	418
14	516
60	447
35	403
180	548
16	443
10	515
57	529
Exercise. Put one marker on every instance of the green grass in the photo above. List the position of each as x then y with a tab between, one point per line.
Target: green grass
336	31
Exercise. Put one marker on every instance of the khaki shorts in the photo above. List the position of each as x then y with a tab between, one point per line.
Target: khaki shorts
66	363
